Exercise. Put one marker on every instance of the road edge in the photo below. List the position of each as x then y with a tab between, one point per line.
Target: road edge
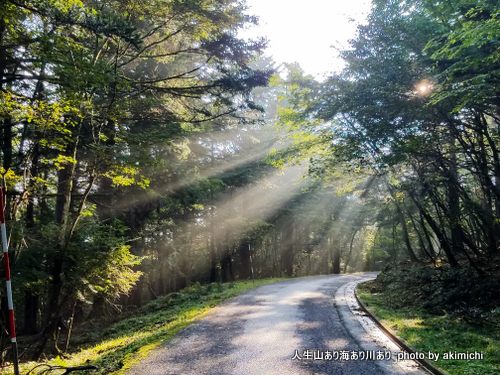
358	331
396	339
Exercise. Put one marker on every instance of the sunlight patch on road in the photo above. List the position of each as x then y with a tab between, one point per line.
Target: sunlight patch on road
338	344
298	298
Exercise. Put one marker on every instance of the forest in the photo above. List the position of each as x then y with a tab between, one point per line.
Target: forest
145	147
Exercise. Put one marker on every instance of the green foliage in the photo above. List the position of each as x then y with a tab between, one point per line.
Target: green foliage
97	102
98	262
459	292
467	58
416	107
103	263
439	333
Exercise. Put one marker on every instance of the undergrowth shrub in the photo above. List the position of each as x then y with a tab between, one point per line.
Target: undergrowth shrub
461	291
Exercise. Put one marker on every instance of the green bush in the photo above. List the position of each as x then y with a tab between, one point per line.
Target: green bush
459	291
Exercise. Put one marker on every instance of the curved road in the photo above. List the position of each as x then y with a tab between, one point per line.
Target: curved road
259	332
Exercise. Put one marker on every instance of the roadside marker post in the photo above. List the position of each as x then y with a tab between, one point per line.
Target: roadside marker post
9	288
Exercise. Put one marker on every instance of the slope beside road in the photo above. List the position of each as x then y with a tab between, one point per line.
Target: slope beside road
303	326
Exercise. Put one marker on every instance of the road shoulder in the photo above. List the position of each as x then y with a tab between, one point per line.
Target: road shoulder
368	335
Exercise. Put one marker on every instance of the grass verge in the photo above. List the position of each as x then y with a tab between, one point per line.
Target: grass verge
438	334
117	347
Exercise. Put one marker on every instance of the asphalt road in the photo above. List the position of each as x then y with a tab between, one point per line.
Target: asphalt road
259	333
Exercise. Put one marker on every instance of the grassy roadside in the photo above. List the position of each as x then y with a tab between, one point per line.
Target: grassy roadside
115	348
438	334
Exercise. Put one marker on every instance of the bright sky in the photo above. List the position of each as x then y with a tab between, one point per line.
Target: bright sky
305	31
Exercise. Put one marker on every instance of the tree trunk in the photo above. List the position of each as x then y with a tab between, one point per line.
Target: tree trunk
213	247
288	254
62	213
30	313
244	271
98	307
226	269
135	298
348	258
442	239
6	144
54	310
406	237
335	249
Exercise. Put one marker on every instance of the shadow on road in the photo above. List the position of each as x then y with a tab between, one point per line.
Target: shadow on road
259	333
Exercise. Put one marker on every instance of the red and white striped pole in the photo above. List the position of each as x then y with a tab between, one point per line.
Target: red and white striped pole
9	288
